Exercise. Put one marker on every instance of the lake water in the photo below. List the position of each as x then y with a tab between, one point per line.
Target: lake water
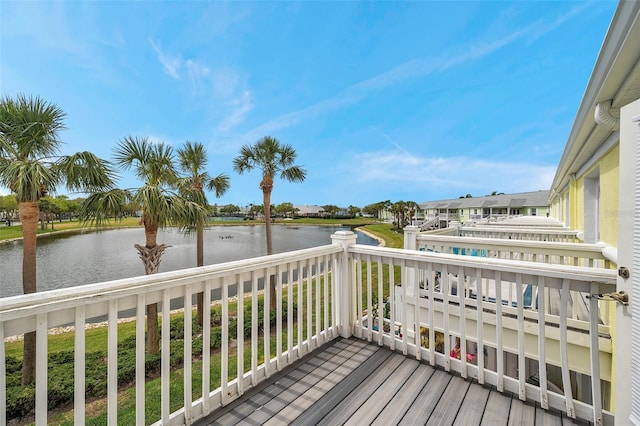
72	259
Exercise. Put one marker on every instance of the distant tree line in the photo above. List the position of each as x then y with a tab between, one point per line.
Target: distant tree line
402	212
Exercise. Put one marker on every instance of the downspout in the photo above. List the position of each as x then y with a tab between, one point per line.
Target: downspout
606	116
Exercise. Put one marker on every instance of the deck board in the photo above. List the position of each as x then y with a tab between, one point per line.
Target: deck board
402	401
351	381
473	406
343	411
447	408
329	401
427	399
368	411
497	410
545	418
521	413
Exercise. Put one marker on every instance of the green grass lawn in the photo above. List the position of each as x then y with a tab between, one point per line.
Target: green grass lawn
392	236
15	231
11	232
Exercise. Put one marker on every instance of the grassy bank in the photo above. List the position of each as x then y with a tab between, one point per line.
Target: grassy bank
383	230
15	231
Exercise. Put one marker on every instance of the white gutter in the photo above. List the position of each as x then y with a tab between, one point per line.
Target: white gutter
607	117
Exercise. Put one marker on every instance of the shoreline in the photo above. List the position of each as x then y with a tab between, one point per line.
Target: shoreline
84	229
381	241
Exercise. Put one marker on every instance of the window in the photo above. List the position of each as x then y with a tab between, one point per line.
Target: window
534	211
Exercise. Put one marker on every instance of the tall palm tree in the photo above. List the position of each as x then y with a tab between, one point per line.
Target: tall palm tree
398	209
273	158
411	208
192	160
160	205
31	166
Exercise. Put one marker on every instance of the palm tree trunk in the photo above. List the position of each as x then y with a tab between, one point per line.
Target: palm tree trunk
150	257
266	199
200	262
29	215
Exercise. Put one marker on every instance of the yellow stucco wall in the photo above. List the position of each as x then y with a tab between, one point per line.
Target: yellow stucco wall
609	196
608	171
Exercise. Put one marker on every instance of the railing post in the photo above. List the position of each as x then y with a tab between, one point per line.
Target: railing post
410	234
345	288
408	277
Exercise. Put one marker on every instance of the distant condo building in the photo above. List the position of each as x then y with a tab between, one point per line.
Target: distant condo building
440	213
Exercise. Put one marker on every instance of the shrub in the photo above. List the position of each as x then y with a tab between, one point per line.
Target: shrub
21	401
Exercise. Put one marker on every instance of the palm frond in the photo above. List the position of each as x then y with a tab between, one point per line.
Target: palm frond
31	126
28	180
219	184
294	174
84	171
101	206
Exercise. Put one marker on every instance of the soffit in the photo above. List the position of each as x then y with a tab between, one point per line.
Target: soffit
616	76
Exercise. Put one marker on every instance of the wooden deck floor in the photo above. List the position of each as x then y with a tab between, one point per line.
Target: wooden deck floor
358	383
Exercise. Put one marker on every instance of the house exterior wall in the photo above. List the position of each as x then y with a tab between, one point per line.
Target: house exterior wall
607	170
609	196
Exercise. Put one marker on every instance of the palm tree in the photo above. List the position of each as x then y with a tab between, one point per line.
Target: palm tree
31	166
192	159
152	163
398	209
411	208
268	155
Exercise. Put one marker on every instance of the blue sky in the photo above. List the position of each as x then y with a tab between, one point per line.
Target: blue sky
410	101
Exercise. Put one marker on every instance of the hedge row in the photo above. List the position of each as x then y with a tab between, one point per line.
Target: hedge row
21	399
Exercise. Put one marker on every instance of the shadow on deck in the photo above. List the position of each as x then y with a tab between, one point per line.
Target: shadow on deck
351	381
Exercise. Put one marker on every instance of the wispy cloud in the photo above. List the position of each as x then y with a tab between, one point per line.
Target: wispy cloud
393	142
415	68
231	93
176	67
222	87
171	65
445	172
238	107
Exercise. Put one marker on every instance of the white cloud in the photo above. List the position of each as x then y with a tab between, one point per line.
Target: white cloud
171	65
196	70
175	66
462	173
231	93
238	107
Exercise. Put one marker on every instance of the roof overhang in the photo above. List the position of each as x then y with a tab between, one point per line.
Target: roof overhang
616	79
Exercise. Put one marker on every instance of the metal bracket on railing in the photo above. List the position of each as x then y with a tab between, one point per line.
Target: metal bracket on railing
618	296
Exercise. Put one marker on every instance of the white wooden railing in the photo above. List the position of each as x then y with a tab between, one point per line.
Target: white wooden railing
302	277
520	233
575	254
477	322
333	289
560	253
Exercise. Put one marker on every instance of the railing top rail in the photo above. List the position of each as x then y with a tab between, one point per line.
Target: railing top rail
516	244
523	230
79	294
574	273
441	231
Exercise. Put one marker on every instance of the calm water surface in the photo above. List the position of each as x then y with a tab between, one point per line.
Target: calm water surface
68	260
